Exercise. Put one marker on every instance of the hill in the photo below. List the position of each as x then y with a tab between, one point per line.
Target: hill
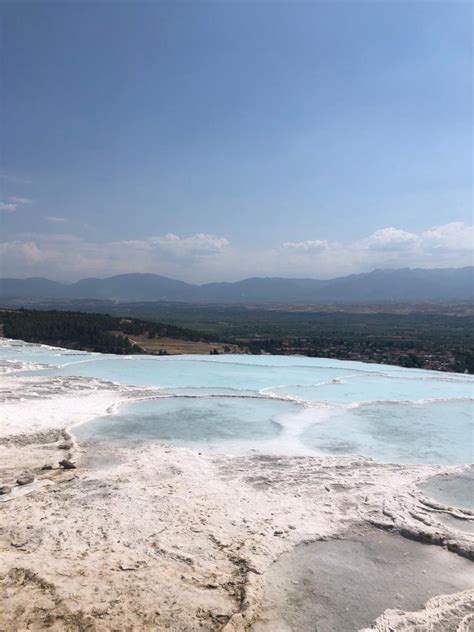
379	286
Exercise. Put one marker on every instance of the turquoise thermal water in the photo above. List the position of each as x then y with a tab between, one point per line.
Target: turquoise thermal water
275	404
191	421
435	432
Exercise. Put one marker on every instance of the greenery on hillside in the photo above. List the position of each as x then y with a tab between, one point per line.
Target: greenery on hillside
439	341
79	330
431	341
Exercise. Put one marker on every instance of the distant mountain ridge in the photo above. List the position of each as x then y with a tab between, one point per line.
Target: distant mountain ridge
379	286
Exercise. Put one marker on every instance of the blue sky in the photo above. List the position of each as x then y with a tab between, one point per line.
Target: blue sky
213	141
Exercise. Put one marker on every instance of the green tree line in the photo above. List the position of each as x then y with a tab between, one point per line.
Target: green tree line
79	330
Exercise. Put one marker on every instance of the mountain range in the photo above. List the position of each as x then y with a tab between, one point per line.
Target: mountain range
379	286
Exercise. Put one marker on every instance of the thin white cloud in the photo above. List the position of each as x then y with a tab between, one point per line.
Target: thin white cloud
54	219
309	246
176	247
204	257
21	253
20	200
454	236
200	244
8	207
13	203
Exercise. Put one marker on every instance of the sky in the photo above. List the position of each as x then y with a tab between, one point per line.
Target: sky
213	141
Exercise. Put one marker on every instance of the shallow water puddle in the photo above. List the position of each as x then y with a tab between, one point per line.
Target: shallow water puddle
345	585
192	421
454	490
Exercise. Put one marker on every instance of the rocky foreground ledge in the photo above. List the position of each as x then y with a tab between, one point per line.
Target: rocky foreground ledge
152	537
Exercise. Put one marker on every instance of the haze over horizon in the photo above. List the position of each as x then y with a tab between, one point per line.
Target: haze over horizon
212	142
131	275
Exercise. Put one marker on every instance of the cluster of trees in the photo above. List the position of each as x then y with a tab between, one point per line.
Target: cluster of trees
162	330
464	361
68	329
79	330
440	342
